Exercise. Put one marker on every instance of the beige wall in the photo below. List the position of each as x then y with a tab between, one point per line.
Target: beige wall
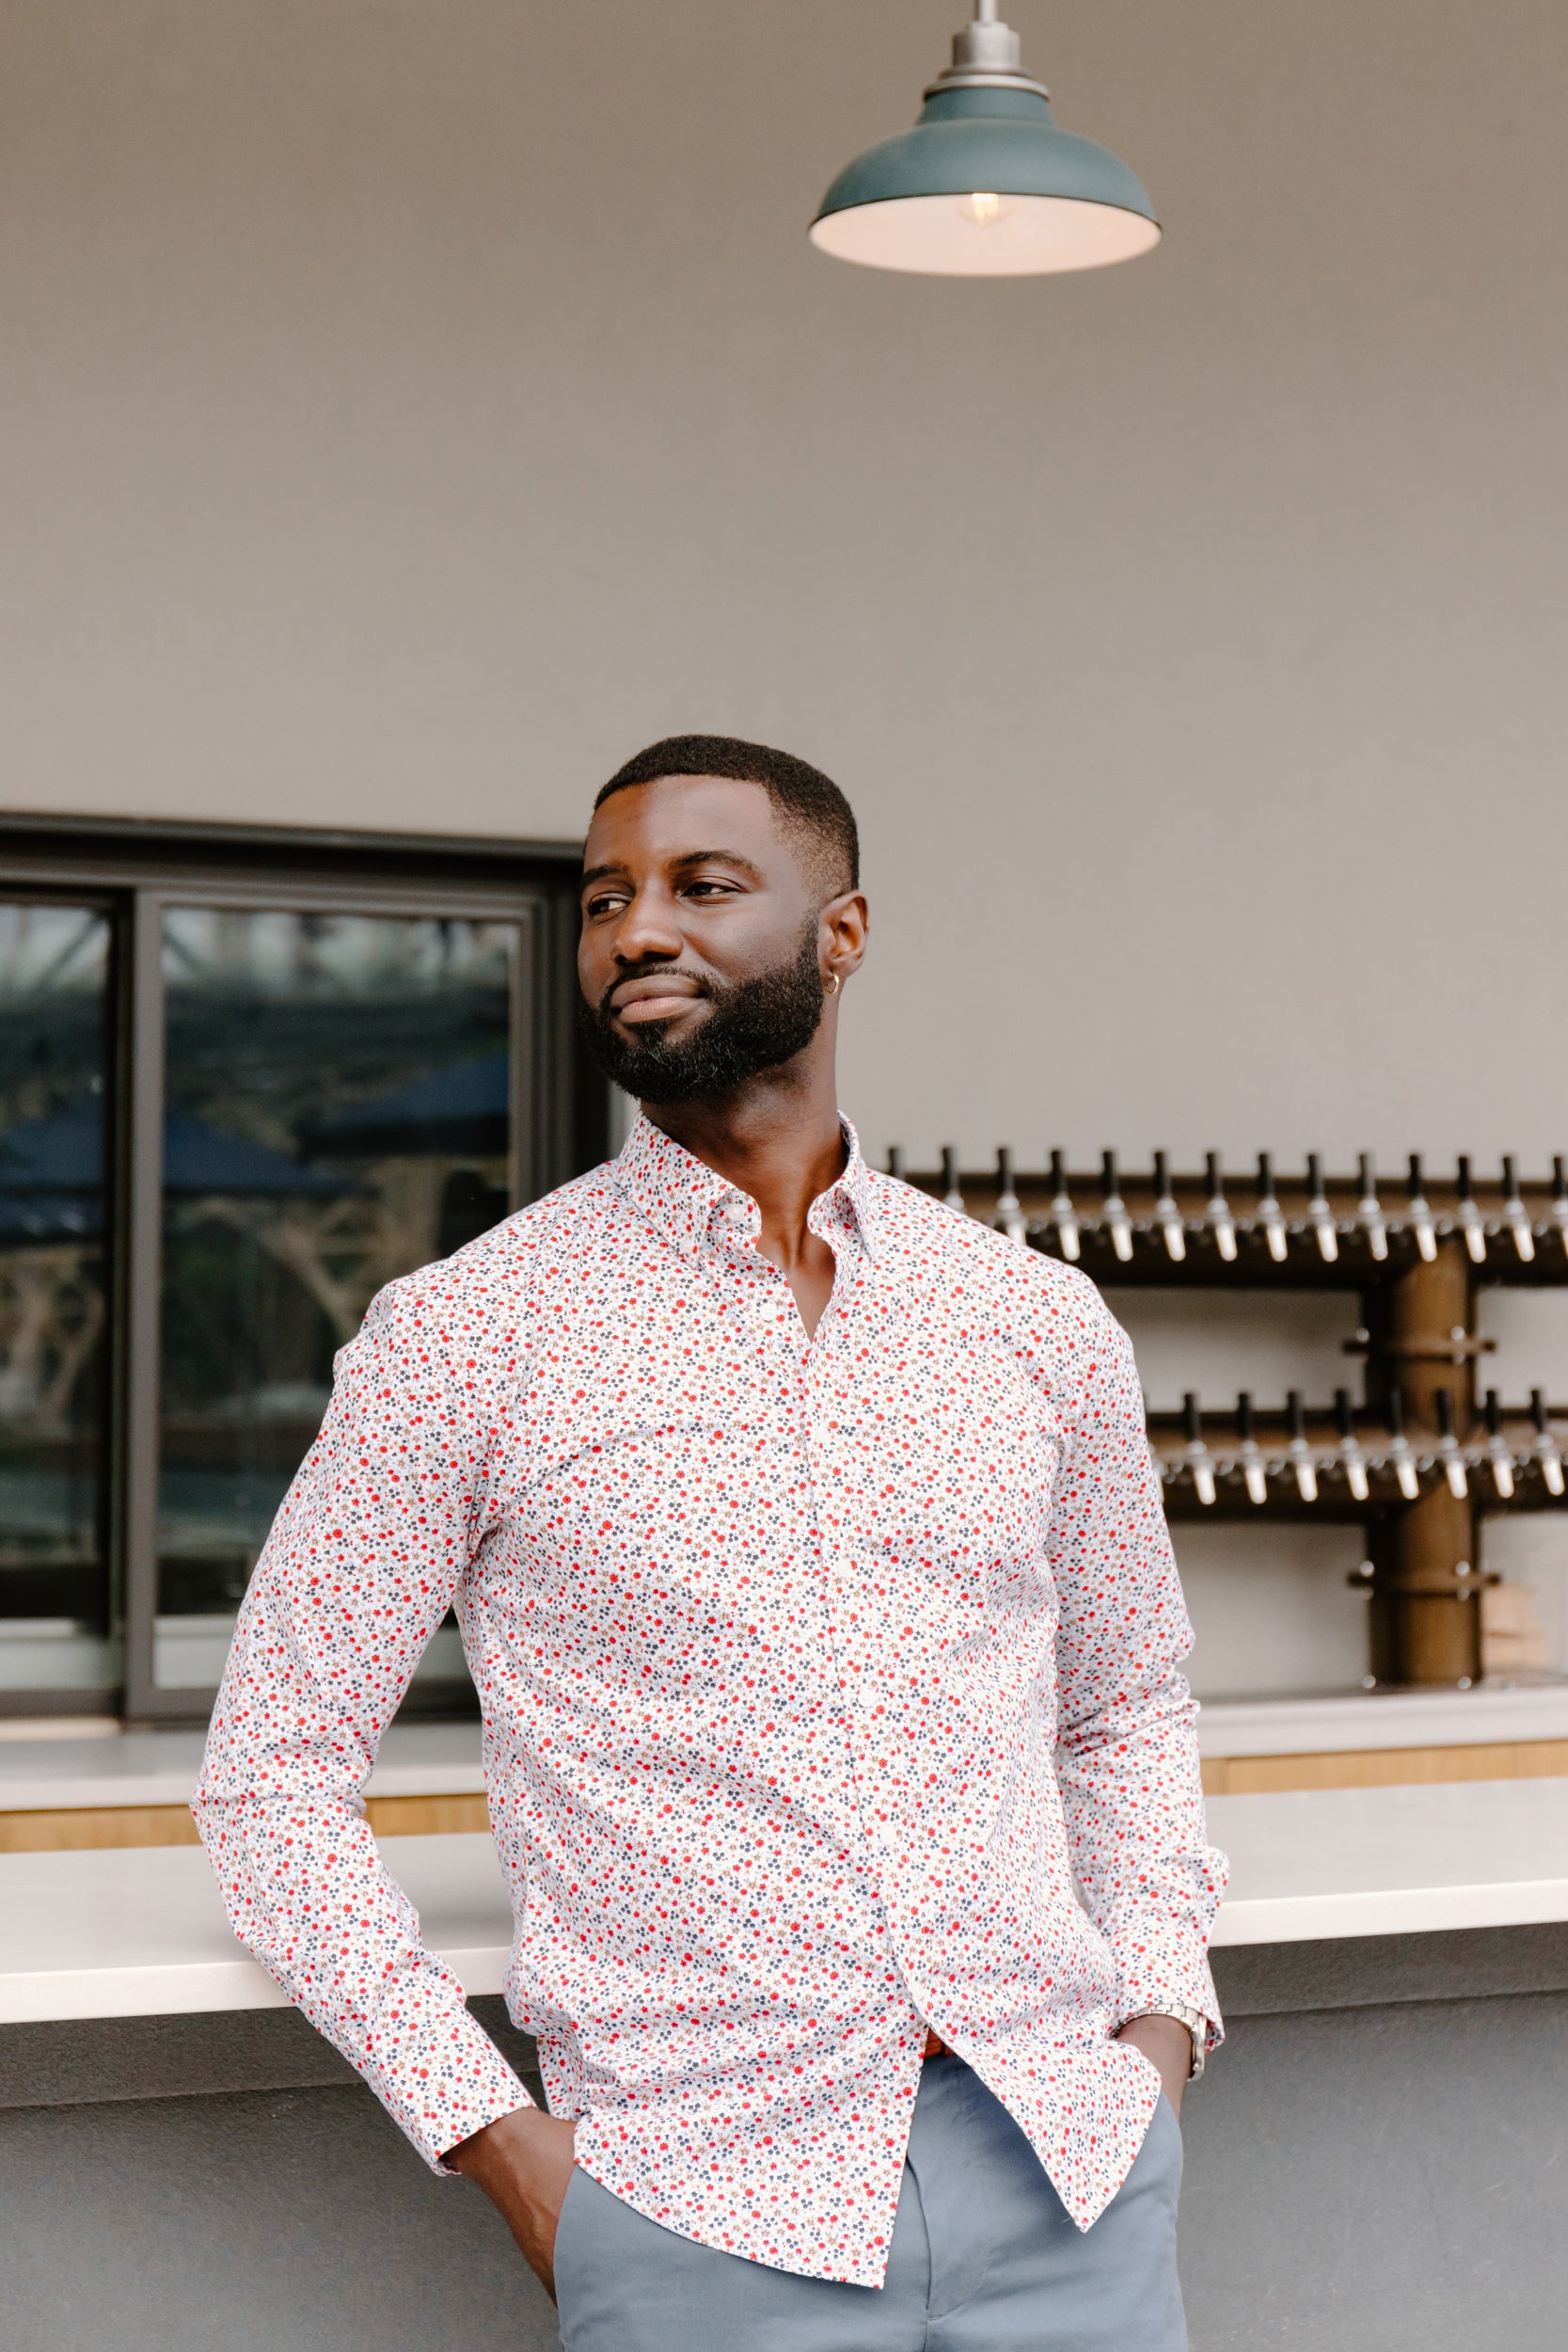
412	406
408	407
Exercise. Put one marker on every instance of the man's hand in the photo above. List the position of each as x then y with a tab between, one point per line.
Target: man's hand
1169	2046
523	2163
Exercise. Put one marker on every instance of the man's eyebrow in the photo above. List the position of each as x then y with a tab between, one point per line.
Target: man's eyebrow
718	857
688	858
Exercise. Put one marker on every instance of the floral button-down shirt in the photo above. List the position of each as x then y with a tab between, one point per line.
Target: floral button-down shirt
830	1689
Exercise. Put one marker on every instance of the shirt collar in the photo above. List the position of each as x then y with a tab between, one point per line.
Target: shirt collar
687	1202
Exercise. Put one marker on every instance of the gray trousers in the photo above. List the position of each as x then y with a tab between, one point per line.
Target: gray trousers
984	2258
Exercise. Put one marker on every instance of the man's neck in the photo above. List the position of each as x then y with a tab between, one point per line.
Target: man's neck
777	1138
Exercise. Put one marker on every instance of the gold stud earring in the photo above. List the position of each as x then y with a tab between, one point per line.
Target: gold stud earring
837	985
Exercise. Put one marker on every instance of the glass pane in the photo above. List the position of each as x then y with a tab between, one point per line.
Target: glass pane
337	1114
55	1629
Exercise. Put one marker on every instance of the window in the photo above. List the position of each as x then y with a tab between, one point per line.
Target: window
245	1079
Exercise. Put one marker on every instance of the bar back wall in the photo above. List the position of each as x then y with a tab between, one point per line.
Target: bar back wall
409	407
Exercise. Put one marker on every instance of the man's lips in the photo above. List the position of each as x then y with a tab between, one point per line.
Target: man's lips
658	998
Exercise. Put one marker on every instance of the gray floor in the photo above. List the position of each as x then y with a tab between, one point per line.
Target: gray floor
1388	2178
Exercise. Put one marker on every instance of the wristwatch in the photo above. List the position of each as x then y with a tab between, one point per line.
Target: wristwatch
1197	2025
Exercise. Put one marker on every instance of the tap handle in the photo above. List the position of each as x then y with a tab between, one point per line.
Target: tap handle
1192	1412
1315	1174
1058	1175
1162	1179
895	1160
1344	1412
1396	1413
1511	1180
1108	1184
1367	1176
1004	1169
1243	1416
949	1167
1415	1178
1466	1189
1211	1168
1443	1399
1296	1406
1559	1178
1494	1414
1265	1174
1538	1409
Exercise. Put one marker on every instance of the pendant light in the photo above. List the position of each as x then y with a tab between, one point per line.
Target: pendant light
985	185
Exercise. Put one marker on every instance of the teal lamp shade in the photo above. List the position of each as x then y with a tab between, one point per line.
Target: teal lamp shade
987	184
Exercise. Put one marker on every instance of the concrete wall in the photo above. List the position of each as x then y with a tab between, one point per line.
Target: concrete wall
1368	2164
408	409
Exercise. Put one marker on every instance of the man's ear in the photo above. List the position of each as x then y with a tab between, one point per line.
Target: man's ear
845	921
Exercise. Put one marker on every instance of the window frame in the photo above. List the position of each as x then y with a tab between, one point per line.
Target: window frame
135	869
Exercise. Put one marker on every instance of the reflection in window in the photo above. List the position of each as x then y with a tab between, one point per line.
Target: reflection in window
338	1096
55	1629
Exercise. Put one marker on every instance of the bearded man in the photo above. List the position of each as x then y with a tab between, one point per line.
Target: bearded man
816	1586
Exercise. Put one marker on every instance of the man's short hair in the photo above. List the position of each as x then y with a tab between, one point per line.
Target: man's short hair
806	802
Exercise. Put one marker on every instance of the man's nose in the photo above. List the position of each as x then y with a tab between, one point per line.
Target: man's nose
648	929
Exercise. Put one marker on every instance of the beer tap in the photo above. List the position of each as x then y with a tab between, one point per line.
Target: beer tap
1400	1452
1472	1223
1369	1211
1497	1454
1009	1215
896	1161
1299	1453
1320	1216
1222	1223
1166	1215
1114	1211
952	1196
1515	1216
1271	1217
1197	1456
1063	1215
1545	1449
1420	1214
1560	1199
1352	1460
1254	1468
1448	1447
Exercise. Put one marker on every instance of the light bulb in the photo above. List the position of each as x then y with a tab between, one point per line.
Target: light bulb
984	208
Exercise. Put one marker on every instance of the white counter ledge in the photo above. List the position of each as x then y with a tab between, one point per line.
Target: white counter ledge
140	1932
159	1768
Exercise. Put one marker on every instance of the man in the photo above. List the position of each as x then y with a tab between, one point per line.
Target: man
816	1585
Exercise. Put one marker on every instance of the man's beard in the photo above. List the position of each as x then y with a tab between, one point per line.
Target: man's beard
754	1025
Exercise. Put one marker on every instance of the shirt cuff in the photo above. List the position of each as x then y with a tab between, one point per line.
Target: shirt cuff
445	2084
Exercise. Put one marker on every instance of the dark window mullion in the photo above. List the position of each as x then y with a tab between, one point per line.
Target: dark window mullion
139	1164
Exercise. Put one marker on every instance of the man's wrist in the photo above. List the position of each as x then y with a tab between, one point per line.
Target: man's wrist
1195	2024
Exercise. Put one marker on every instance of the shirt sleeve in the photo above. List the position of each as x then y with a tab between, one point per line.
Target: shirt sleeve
359	1569
1127	1758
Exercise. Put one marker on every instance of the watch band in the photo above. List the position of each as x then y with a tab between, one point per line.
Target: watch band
1197	2025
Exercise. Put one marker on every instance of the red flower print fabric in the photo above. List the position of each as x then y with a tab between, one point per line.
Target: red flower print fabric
829	1688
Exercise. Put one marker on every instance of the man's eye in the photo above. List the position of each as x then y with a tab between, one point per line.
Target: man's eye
605	905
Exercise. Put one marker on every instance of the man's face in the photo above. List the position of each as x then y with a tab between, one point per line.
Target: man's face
699	955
